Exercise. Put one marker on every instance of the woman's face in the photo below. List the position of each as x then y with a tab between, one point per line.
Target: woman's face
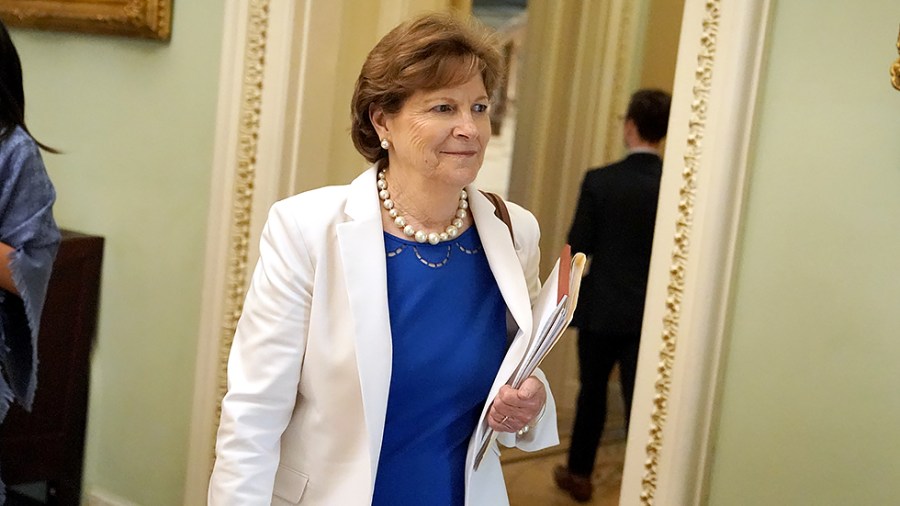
441	134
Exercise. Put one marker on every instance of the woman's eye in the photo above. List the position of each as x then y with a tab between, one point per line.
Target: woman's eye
442	108
480	107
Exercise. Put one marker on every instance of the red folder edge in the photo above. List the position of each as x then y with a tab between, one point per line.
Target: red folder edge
565	270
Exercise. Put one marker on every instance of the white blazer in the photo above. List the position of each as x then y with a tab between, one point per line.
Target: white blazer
310	367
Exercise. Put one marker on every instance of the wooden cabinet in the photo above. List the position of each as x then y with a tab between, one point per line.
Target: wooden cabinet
47	445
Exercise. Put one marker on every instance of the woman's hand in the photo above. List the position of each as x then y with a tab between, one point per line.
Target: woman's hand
513	409
6	281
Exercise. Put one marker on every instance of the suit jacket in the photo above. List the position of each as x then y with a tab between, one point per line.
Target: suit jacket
310	367
614	225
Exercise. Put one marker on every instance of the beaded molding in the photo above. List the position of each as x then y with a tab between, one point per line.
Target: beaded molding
242	195
683	226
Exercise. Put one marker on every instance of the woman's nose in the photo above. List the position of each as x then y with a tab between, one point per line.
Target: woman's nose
466	127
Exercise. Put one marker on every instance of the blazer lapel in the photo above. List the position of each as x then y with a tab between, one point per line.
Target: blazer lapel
366	279
361	242
504	262
501	256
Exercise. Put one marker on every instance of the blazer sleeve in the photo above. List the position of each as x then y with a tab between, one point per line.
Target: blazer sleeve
264	366
544	434
528	234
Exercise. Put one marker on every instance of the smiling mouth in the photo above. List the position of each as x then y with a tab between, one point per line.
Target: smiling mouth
461	153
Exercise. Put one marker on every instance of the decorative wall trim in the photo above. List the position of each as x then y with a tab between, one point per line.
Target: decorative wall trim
675	290
711	131
233	188
150	19
242	194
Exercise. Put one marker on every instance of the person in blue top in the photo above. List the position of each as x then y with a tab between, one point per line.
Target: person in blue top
29	237
385	318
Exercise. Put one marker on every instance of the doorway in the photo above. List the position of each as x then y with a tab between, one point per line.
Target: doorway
576	64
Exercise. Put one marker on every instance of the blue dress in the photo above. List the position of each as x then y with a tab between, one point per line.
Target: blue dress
27	225
448	326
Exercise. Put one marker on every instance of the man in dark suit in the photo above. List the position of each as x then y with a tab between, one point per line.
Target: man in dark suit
613	225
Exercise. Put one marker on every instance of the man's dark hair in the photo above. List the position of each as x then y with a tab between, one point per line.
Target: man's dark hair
649	109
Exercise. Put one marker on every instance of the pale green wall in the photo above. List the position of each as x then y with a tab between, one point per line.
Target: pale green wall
810	413
137	121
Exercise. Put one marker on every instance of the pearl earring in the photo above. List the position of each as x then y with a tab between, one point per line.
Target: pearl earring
385	144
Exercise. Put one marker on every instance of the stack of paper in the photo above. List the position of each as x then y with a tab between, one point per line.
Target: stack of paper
552	312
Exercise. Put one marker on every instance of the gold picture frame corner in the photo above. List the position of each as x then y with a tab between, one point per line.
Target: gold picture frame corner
895	68
147	19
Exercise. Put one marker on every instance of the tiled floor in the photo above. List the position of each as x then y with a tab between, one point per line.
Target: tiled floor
530	480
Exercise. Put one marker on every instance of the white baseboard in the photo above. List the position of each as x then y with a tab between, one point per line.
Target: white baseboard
99	497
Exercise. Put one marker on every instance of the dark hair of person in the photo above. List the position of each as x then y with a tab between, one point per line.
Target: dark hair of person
649	109
12	93
426	53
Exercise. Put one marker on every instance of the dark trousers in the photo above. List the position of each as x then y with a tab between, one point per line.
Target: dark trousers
598	352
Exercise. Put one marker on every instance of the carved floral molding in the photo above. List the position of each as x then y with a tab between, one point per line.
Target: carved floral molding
242	194
682	239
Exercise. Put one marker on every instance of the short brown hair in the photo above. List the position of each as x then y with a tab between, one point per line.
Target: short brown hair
649	109
425	53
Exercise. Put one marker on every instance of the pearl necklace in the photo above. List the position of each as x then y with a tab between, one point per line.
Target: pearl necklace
420	236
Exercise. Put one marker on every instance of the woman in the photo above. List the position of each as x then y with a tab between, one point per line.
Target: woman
28	237
374	345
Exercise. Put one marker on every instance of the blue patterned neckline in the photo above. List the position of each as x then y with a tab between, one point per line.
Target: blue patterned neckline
434	255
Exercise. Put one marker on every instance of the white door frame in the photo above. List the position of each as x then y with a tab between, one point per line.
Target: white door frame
264	62
259	135
720	57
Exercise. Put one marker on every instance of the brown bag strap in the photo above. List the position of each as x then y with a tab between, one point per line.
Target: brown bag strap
501	211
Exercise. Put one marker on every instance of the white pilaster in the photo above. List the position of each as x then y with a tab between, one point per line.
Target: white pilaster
710	131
